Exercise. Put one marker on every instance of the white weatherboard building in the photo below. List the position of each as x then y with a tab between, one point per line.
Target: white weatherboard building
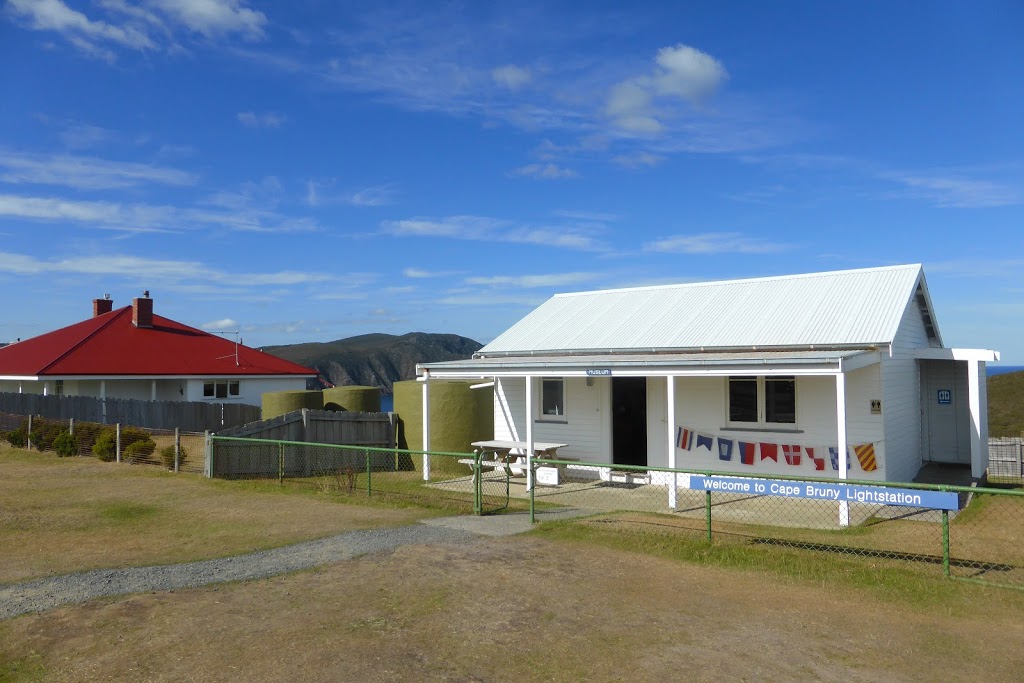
838	374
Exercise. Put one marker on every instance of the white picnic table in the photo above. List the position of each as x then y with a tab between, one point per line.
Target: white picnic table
514	463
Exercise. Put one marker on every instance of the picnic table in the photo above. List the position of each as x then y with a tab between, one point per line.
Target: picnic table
514	463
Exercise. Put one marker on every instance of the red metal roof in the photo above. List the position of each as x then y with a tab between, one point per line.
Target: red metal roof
110	345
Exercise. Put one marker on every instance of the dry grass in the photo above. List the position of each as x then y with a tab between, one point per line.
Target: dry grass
521	609
59	516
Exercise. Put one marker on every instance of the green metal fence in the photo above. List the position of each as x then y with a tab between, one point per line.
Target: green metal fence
980	538
457	480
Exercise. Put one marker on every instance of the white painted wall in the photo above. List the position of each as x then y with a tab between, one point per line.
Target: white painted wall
901	397
701	405
251	390
583	427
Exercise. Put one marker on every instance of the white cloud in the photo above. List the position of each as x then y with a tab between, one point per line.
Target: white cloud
479	228
511	76
222	325
163	270
638	160
715	243
588	216
958	191
86	173
545	171
321	192
148	26
379	195
251	119
419	273
141	218
212	18
490	300
681	72
531	281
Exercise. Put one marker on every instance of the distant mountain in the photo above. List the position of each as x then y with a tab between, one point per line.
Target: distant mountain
376	359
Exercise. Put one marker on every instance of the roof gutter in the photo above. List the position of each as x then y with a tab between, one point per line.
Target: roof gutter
676	350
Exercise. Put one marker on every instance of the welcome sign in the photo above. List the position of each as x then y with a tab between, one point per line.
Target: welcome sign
835	491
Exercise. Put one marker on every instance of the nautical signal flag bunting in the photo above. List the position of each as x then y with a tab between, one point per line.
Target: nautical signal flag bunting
691	440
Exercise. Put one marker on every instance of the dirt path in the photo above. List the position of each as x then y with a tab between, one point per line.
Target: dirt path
515	608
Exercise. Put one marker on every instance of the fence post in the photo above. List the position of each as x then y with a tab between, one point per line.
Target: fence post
177	449
71	426
368	488
945	542
533	506
208	453
117	450
280	464
28	437
707	513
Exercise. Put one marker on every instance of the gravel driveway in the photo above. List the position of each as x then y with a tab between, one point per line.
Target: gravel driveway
44	594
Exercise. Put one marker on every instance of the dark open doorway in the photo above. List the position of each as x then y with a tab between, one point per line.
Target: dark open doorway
629	421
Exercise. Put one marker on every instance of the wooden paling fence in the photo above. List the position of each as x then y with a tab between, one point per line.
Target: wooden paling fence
186	415
305	426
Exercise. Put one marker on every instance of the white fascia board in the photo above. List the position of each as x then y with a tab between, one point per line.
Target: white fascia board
985	355
860	361
741	370
19	378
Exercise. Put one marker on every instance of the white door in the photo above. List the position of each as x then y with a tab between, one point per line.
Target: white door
946	416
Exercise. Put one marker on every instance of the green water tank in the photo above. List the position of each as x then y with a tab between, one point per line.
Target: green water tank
281	402
458	416
353	399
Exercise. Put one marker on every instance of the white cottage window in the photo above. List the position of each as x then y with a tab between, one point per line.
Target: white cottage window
222	388
762	401
552	398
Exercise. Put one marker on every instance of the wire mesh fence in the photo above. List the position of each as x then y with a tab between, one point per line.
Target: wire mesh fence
964	532
168	448
456	480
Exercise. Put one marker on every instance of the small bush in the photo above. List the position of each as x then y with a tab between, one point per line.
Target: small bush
66	445
105	447
130	435
48	433
16	437
167	456
139	450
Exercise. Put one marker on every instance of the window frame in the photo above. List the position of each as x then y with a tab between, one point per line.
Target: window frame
221	389
543	416
762	404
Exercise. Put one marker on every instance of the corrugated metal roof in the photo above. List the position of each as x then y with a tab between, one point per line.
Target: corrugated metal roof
841	309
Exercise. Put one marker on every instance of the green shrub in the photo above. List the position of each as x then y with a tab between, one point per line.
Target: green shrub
48	433
139	450
66	445
87	432
16	437
130	435
167	456
105	447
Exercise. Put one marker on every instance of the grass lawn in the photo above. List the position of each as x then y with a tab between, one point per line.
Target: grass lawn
527	609
619	597
63	515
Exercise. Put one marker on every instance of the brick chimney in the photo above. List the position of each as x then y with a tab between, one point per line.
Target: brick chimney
142	311
101	306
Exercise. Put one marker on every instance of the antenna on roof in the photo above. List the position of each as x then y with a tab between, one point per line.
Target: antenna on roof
237	342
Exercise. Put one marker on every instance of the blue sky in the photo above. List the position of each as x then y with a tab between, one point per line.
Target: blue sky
306	172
